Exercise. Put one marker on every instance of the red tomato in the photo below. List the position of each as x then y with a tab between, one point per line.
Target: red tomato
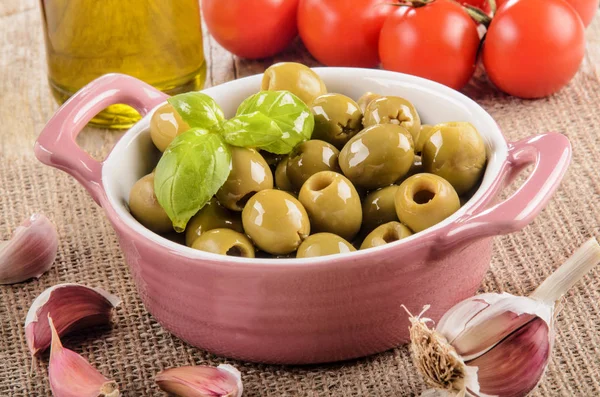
586	9
438	41
251	28
533	47
342	32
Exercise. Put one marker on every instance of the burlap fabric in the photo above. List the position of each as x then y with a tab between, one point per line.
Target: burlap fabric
135	348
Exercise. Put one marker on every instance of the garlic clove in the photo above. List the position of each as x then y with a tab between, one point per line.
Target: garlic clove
72	306
201	381
517	364
500	316
71	375
30	252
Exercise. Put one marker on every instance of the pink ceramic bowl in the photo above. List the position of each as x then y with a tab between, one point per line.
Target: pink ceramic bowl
317	309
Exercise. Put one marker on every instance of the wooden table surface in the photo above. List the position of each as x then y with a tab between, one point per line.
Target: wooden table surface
521	260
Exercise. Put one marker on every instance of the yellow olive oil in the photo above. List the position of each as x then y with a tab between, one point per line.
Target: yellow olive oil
157	41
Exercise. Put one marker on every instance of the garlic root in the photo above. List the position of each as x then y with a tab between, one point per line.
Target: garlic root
30	252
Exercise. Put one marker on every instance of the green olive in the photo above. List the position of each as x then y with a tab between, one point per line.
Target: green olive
212	216
249	174
424	134
378	156
332	203
456	152
322	244
225	242
379	207
337	119
308	158
299	79
394	110
145	207
424	200
384	234
365	99
165	125
281	179
275	221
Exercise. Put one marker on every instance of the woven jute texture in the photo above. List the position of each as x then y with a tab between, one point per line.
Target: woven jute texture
135	347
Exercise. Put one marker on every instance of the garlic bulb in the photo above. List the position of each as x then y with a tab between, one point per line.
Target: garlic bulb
72	306
201	381
30	251
496	344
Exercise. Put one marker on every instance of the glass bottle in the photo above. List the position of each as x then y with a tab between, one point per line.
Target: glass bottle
157	41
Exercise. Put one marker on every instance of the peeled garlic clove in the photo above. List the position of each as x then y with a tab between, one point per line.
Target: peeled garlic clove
30	252
201	381
71	375
72	306
515	365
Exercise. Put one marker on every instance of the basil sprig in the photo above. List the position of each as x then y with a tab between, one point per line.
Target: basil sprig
194	166
197	163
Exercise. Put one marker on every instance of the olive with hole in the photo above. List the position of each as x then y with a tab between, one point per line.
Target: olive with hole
337	119
249	174
275	221
365	99
144	206
225	242
281	179
332	204
165	125
424	200
394	110
379	207
323	244
424	134
311	157
456	152
299	79
212	216
385	234
378	156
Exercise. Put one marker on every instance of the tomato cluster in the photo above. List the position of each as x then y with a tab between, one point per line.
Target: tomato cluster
532	48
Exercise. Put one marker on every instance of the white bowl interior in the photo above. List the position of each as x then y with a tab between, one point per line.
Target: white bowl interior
135	156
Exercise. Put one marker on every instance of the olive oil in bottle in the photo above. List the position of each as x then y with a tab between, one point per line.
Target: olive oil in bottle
157	41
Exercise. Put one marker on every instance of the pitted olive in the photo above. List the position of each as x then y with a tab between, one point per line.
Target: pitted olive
332	203
212	216
299	79
385	234
378	156
365	99
225	242
249	174
337	119
424	200
456	152
322	244
379	207
275	221
145	207
308	158
165	125
394	110
281	179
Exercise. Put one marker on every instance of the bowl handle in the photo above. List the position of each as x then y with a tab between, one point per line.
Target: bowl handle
550	153
56	145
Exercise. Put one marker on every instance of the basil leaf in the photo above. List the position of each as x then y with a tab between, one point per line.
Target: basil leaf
194	166
198	110
275	121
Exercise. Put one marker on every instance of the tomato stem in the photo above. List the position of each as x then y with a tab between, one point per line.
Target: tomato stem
478	15
493	6
412	3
